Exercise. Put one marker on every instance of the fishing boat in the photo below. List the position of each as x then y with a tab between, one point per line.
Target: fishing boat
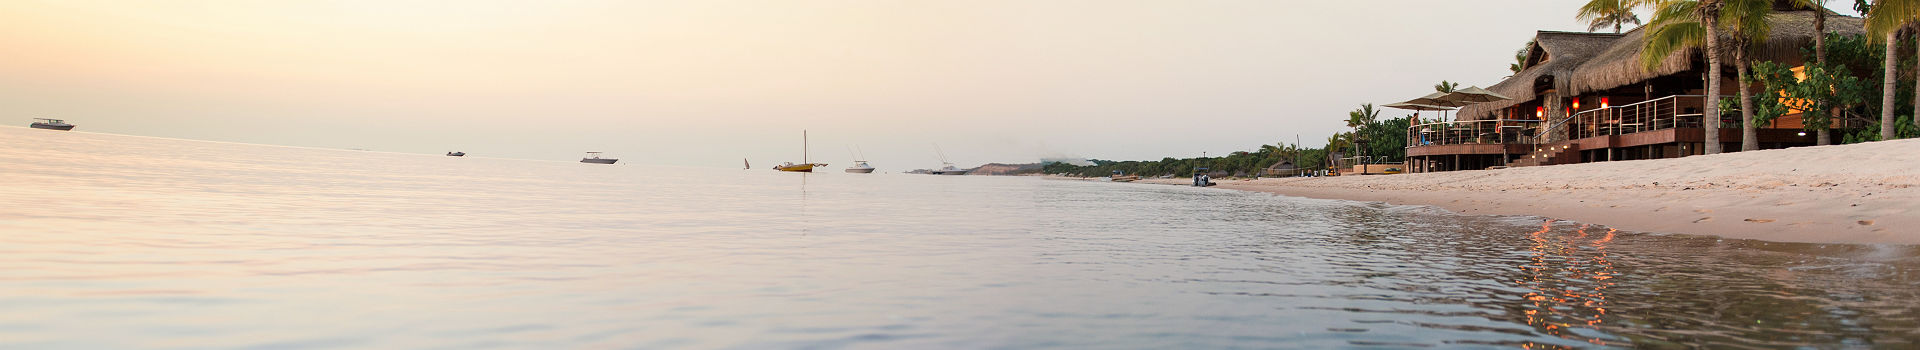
947	168
859	163
806	164
456	154
860	167
746	164
51	124
594	157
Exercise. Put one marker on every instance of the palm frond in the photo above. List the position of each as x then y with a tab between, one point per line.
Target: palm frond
1675	27
1887	16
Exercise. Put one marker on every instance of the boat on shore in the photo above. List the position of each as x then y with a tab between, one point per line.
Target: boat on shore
806	165
51	124
594	158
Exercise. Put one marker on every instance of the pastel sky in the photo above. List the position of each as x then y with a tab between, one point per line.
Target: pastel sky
708	82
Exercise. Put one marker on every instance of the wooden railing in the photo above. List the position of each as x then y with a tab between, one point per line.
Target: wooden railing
1496	131
1677	111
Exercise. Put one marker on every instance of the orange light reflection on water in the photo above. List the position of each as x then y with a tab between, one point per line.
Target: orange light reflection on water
1569	276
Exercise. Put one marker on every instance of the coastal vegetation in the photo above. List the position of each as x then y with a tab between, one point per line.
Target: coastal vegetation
1830	89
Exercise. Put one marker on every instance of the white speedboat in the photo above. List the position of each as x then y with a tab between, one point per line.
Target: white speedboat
860	167
948	168
594	158
51	124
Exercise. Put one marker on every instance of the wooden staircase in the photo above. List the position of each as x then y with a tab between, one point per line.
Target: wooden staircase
1550	154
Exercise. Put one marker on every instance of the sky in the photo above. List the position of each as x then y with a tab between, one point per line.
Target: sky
709	82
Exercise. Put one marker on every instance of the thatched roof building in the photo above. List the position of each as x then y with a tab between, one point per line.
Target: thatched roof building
1581	63
1552	55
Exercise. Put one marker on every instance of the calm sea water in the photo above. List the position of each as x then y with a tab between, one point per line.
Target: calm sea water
129	242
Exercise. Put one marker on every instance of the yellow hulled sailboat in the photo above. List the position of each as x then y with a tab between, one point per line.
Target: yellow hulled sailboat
806	164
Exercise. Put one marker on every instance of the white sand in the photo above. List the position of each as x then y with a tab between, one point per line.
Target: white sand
1860	193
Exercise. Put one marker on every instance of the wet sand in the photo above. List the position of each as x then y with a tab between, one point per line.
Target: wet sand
1860	193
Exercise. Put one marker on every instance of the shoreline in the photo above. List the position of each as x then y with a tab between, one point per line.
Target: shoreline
1865	193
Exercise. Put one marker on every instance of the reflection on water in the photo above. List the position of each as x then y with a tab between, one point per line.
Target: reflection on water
124	242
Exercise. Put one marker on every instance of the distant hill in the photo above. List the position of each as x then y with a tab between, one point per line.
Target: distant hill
1006	169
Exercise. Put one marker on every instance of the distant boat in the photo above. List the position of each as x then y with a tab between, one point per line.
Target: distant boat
806	165
456	154
948	169
51	124
748	165
860	167
860	164
594	157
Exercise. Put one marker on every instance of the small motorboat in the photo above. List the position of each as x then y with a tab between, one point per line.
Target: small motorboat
456	154
594	158
860	167
859	162
51	124
949	169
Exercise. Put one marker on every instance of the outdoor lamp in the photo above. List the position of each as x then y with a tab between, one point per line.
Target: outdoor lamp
1576	104
1603	102
1803	133
1540	112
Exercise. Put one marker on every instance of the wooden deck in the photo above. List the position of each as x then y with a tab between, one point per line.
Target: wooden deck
1481	148
1688	135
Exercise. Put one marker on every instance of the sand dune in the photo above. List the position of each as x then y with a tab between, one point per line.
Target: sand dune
1860	193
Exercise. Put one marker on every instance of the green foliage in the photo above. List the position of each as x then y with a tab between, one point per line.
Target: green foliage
1845	51
1386	140
1903	128
1363	115
1235	163
1520	58
1608	13
1824	89
1776	79
1445	86
1675	27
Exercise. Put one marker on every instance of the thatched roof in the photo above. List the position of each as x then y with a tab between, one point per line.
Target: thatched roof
1620	65
1581	63
1563	51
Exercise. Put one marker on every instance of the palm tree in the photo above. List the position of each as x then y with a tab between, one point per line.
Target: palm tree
1679	25
1363	116
1520	58
1609	13
1823	136
1746	20
1885	20
1445	86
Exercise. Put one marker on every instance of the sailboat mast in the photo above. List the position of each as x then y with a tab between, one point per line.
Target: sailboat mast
803	148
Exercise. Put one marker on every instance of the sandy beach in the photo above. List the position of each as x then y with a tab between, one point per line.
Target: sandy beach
1859	193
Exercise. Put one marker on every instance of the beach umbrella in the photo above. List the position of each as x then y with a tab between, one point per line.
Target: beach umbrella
1472	95
1417	107
1437	99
